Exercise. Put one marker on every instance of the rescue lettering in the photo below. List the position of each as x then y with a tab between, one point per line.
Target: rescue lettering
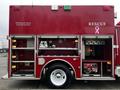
96	23
23	23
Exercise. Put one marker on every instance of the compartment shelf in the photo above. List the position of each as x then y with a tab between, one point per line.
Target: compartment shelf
95	61
58	56
27	48
23	61
58	48
24	73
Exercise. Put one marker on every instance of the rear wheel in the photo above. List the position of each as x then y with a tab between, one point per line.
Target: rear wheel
59	76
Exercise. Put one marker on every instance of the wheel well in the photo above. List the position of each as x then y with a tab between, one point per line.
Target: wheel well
58	62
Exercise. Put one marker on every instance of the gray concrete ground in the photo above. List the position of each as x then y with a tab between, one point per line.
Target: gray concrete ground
36	84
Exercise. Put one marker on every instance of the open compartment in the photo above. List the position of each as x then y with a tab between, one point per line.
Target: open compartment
97	49
58	43
22	69
107	68
58	46
18	42
22	55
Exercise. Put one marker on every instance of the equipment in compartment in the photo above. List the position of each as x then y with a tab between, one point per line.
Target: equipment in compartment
47	44
58	42
43	44
58	46
94	42
50	44
97	59
91	69
97	48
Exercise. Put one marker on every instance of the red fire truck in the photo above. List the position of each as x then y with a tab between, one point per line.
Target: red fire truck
62	43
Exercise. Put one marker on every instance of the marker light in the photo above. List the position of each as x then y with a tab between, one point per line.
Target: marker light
13	46
13	40
67	7
76	41
13	66
109	62
54	7
14	56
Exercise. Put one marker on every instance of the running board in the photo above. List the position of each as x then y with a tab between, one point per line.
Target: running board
5	76
24	78
20	77
96	78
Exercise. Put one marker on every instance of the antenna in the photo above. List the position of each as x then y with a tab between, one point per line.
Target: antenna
32	3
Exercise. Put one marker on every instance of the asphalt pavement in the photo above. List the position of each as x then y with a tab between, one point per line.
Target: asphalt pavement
37	84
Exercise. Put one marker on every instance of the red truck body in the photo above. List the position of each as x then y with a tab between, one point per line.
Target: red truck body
94	57
117	59
43	20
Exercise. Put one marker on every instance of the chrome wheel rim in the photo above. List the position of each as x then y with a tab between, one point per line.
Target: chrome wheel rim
58	77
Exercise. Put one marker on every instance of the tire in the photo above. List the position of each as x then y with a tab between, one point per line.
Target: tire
117	78
58	76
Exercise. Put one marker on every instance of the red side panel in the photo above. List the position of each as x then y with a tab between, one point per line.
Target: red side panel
117	62
79	20
74	63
